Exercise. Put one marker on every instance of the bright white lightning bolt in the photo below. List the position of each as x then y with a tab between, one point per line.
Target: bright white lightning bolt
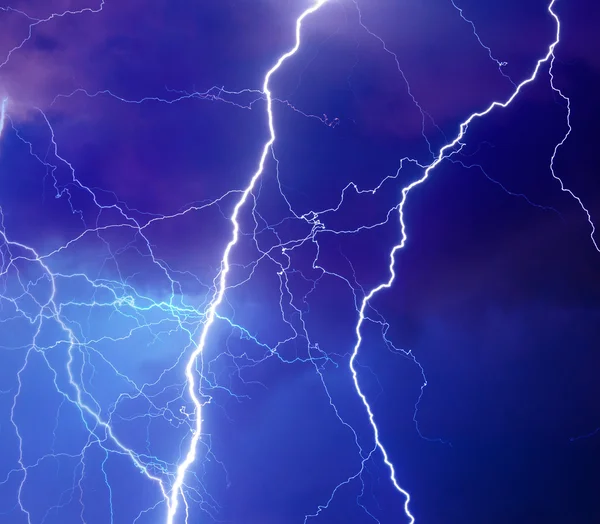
222	278
444	152
3	114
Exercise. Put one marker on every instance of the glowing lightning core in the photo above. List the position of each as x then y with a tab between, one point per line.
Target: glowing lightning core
444	152
3	114
220	290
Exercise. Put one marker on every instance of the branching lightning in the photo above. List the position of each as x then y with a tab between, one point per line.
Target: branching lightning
225	266
34	291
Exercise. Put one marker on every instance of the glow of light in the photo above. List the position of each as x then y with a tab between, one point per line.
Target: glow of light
222	278
444	152
3	114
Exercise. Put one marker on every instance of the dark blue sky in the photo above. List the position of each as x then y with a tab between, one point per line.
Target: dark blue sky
130	132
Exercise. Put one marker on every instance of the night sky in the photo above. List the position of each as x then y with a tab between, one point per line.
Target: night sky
129	132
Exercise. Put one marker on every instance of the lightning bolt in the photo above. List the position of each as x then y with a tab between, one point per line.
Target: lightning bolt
501	64
3	114
446	151
40	21
225	266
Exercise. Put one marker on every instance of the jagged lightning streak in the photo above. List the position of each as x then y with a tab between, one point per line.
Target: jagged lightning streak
500	63
555	152
222	278
39	21
3	114
444	152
